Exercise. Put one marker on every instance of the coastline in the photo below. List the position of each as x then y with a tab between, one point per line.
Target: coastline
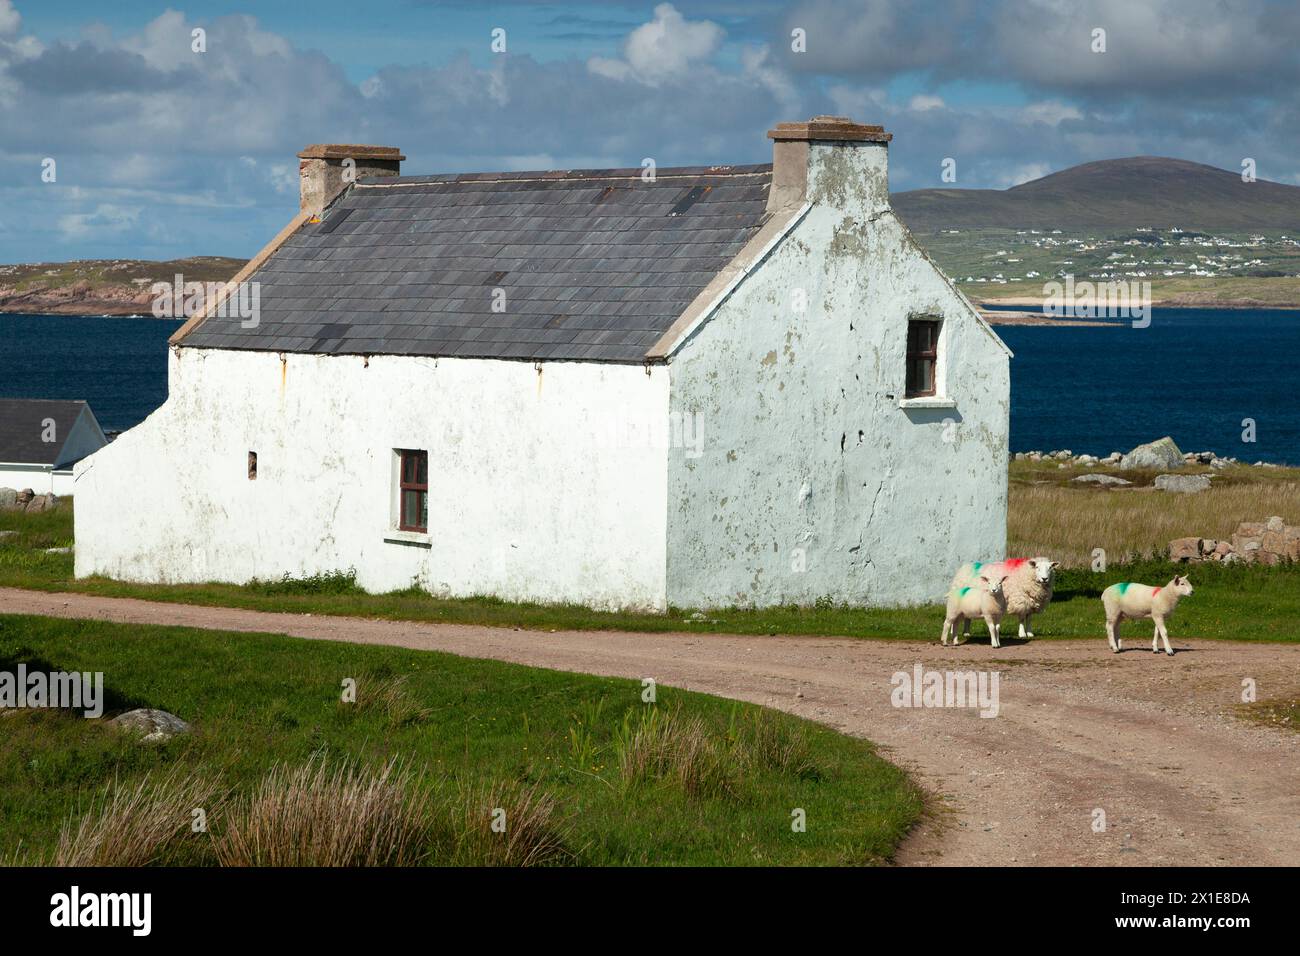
1173	302
1019	314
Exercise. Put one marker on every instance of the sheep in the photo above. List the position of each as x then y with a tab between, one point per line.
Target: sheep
964	603
1134	601
1028	588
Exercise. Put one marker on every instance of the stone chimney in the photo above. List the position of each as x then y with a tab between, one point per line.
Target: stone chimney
830	160
326	169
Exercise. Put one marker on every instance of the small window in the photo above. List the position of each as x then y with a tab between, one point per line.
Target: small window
252	466
922	356
413	492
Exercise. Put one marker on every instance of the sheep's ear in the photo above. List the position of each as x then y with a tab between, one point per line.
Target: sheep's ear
1033	563
1178	579
984	579
1055	564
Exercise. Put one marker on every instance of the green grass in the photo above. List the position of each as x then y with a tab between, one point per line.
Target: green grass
1283	713
463	727
1231	602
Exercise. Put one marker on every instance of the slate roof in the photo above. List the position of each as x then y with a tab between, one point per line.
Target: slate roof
21	429
595	265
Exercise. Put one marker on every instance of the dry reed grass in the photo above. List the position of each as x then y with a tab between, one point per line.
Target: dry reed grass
1067	523
313	815
139	824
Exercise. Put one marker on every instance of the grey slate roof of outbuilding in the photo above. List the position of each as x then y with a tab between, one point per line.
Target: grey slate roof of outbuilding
595	265
22	425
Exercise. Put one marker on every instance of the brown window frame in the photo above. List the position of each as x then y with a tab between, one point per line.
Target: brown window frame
930	355
420	488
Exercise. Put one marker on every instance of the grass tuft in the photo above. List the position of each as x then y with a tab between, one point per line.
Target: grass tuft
314	815
145	822
509	824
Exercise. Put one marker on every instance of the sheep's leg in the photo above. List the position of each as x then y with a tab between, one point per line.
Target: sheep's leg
1119	644
943	635
1164	636
993	630
1155	637
1112	638
965	626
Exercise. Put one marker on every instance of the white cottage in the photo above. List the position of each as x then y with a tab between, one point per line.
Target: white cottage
42	439
732	385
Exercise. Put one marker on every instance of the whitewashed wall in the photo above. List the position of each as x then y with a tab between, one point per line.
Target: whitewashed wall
39	478
814	482
539	488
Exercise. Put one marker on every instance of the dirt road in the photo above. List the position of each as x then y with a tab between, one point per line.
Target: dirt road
1148	740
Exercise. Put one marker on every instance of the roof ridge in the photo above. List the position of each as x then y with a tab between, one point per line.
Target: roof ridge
568	176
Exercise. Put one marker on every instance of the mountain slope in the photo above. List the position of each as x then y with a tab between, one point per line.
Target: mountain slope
1112	195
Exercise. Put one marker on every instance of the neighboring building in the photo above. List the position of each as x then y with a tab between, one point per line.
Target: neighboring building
40	441
722	385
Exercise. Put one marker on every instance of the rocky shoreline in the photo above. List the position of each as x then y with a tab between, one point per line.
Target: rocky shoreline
1162	453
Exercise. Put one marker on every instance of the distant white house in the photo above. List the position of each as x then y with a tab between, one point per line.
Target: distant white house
630	388
41	440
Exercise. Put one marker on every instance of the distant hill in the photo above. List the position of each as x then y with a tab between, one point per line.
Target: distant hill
101	286
1113	195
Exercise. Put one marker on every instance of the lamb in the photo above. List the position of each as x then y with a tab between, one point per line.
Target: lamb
1134	601
1028	588
964	603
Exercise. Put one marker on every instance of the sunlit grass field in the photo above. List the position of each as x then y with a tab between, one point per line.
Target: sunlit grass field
578	769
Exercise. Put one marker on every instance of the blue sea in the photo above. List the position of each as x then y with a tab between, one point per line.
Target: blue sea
1194	374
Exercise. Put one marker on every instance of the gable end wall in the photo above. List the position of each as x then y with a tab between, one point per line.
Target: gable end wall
813	482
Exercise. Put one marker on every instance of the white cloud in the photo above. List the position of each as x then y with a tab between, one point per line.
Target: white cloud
924	101
662	49
106	220
1022	173
1051	112
10	19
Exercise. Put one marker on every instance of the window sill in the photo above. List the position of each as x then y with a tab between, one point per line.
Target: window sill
408	537
928	401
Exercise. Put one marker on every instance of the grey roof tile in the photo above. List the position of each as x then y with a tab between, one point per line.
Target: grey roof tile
596	265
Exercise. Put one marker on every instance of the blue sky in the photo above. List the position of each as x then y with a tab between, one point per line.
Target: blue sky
163	152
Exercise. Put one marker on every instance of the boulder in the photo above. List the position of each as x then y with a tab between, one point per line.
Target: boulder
1185	549
24	496
1187	484
1284	543
1274	523
1246	547
41	503
152	726
8	498
1161	453
1106	481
